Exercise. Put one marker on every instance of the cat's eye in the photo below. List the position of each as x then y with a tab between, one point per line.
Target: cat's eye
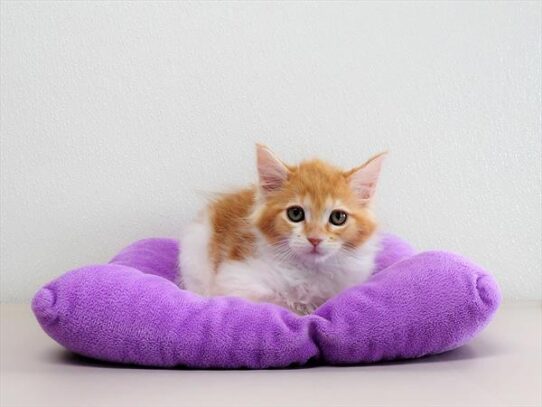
295	213
338	217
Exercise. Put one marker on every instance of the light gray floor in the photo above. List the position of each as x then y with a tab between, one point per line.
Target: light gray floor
502	367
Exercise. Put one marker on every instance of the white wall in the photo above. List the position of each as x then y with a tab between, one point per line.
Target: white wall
113	114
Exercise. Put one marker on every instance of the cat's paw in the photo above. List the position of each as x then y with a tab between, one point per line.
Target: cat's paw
302	308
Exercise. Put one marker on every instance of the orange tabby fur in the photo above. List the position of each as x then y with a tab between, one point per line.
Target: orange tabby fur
231	238
314	180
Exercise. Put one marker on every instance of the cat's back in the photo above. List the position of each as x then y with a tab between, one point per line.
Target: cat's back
220	233
231	236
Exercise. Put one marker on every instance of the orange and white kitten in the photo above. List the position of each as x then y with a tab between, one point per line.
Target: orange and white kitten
298	238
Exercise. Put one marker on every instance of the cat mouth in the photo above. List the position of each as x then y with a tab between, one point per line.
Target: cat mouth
315	252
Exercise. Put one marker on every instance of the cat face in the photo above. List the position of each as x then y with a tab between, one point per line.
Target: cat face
314	211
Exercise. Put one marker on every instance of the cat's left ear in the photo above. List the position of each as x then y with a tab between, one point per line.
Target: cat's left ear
363	179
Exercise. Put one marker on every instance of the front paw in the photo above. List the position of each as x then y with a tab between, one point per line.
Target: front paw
302	308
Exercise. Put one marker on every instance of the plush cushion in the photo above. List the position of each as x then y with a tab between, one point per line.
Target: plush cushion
130	311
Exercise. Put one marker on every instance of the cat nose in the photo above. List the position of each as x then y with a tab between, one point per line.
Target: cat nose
314	241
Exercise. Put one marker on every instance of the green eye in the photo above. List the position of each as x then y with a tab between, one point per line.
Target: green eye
338	217
295	213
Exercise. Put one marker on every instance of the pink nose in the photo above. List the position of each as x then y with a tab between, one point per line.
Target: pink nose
314	241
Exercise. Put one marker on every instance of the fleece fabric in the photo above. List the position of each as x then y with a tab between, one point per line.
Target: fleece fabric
130	311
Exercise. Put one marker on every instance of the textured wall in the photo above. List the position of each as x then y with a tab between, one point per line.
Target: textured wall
114	114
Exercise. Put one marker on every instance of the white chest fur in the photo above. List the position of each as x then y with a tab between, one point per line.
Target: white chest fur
265	278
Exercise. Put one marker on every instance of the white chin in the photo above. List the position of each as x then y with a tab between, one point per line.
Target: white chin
314	257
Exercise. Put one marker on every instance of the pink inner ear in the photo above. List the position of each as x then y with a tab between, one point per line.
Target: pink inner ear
270	183
365	192
363	180
272	172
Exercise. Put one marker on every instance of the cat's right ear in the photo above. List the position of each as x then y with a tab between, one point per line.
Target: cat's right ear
272	172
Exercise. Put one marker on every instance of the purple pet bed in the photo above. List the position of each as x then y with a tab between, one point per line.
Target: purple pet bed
130	311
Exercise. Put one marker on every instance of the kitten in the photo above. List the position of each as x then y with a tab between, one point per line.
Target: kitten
298	238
